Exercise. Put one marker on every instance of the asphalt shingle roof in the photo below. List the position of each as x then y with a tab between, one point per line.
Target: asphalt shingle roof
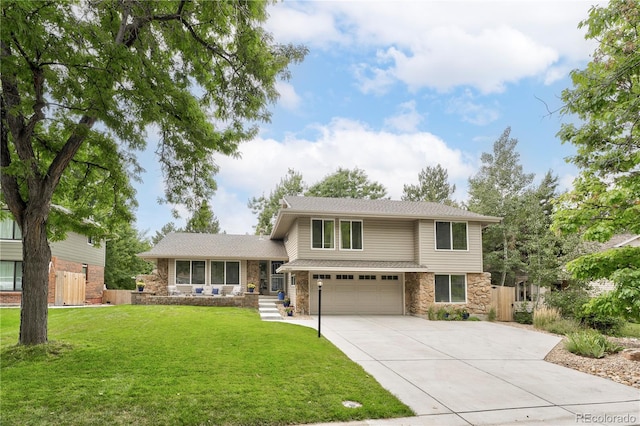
352	206
207	246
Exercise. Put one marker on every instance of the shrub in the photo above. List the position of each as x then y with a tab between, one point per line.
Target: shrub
590	344
491	316
431	313
603	323
544	316
523	317
563	326
568	302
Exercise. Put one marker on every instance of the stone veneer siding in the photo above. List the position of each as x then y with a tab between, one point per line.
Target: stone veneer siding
301	303
420	293
253	275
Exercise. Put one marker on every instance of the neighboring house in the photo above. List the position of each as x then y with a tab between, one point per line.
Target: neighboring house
76	254
372	256
622	240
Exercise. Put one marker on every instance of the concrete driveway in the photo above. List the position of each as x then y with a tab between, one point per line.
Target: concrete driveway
479	373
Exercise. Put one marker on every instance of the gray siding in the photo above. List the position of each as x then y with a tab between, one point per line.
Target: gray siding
451	261
390	240
291	241
75	248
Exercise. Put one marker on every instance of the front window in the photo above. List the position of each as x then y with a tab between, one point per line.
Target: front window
225	272
451	235
10	275
322	234
351	234
190	271
9	230
451	289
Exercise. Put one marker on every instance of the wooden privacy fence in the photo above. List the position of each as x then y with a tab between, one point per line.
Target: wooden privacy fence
70	288
502	300
116	297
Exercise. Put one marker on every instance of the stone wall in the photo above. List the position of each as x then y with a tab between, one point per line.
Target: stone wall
301	303
479	293
248	300
253	274
420	293
157	282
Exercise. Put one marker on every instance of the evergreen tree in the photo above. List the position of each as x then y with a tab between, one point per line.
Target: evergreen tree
433	185
267	207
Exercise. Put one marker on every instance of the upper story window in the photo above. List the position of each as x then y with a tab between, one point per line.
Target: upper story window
190	271
351	234
225	272
451	236
10	275
9	230
322	234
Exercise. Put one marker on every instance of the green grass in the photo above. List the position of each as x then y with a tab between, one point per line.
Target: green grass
165	365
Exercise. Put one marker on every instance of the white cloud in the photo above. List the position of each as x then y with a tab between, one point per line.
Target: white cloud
393	159
472	112
407	119
441	45
289	99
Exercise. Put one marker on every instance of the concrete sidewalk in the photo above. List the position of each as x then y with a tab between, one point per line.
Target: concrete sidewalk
478	373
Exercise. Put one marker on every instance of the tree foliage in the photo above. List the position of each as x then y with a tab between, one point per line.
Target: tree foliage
433	185
83	82
497	189
605	199
203	220
122	263
345	183
267	207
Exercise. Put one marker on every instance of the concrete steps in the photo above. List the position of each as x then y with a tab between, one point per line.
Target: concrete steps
268	309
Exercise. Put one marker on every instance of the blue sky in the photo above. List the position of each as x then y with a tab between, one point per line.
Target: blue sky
391	87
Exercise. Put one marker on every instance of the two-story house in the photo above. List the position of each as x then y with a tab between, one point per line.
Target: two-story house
372	256
77	254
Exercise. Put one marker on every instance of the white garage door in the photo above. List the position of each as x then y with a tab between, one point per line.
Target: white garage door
355	293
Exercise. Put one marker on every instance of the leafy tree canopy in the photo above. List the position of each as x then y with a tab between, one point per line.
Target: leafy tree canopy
84	82
605	199
345	183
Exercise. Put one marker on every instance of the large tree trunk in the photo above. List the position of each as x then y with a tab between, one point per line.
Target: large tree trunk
36	255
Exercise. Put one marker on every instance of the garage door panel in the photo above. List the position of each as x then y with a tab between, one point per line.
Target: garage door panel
358	297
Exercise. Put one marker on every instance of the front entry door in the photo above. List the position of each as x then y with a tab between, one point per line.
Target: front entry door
277	280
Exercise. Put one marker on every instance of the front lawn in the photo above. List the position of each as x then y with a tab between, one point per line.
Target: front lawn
165	365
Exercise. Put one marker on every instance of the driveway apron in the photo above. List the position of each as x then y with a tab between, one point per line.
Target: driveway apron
479	373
